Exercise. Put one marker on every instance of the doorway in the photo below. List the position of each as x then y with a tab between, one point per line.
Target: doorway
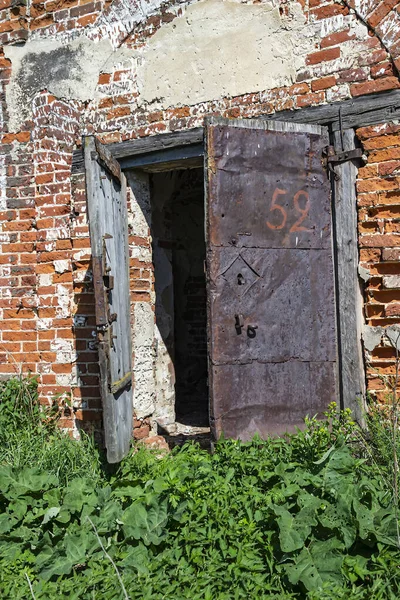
178	250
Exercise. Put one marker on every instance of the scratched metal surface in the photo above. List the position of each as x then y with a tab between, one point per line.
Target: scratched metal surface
253	165
272	334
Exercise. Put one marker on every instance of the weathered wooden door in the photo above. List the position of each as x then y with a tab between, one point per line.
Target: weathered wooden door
270	276
106	200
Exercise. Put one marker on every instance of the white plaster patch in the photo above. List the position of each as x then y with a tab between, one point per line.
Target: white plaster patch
141	253
62	266
218	49
79	321
372	336
63	301
67	70
64	350
391	281
44	279
143	367
143	324
139	217
64	379
393	333
44	324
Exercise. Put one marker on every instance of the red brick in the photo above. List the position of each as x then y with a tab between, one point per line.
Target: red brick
393	309
330	10
377	184
87	20
389	168
310	99
380	241
322	56
383	69
383	141
323	83
337	38
371	87
15	336
381	11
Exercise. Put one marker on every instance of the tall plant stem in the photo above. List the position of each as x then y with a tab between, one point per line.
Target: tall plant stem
110	559
30	586
394	441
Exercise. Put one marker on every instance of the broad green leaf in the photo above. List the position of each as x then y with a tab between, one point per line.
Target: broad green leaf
76	546
78	493
145	524
325	456
50	514
294	529
59	565
7	522
337	516
304	570
18	508
137	557
319	563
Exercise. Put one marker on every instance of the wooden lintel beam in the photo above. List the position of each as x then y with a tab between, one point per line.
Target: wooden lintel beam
356	112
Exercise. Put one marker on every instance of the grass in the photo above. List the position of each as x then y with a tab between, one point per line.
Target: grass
30	436
312	515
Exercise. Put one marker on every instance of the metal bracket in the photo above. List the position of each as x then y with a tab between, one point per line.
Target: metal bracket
330	158
339	157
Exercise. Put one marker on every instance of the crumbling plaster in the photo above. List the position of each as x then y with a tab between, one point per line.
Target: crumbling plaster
68	71
216	48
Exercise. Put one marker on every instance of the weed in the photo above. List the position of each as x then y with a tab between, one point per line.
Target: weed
29	435
306	516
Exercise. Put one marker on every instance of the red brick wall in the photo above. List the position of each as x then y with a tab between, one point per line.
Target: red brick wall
379	240
46	296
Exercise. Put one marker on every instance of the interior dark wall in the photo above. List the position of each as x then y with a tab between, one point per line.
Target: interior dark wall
178	218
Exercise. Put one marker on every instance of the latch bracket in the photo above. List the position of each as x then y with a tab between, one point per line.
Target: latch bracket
338	157
331	157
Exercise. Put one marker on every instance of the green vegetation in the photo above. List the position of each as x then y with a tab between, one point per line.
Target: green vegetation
310	516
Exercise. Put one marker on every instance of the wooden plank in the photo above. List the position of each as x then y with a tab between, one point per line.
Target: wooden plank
162	141
276	125
355	112
349	295
170	158
150	145
106	159
107	212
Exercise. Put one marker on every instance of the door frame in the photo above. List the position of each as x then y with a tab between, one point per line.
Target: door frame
174	150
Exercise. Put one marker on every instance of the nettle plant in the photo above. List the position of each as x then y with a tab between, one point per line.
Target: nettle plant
306	516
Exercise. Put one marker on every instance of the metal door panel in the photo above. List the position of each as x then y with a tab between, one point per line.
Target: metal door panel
261	398
281	292
271	188
270	277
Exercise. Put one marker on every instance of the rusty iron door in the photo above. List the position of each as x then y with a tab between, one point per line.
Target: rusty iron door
270	276
107	211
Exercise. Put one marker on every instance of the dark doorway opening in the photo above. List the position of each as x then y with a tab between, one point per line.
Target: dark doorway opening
178	238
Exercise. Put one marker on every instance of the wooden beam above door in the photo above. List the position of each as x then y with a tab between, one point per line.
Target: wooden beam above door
182	145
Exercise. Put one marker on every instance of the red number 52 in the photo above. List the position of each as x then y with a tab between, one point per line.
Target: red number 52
301	211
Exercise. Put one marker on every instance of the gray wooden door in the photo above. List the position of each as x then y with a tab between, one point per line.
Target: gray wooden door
270	276
106	201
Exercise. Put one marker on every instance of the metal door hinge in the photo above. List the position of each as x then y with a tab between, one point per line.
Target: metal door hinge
331	157
337	157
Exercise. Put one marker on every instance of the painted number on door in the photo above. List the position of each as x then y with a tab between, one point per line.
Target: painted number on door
301	207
